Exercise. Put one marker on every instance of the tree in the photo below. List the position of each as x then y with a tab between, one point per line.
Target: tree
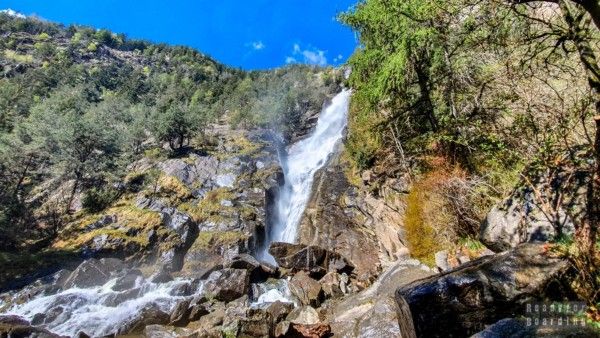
177	124
577	15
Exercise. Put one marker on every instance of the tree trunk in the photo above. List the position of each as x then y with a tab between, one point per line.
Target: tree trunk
578	31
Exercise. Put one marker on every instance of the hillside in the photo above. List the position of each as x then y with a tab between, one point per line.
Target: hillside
78	105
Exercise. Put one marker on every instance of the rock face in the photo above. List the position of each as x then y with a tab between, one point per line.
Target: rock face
537	214
479	292
365	229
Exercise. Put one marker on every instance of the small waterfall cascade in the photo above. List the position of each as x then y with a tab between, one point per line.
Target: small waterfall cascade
300	163
102	310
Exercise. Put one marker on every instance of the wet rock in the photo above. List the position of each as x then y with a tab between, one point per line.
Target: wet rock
303	315
15	326
149	315
306	289
117	298
352	231
128	281
93	272
227	284
480	292
181	313
313	259
259	272
161	276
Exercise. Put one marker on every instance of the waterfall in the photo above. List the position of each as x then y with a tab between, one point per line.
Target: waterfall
300	163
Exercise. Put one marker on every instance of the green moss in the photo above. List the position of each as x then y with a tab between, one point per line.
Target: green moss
210	208
210	239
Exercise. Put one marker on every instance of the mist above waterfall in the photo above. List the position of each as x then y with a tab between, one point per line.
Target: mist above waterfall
300	163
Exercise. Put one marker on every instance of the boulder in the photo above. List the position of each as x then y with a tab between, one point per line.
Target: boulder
279	310
316	260
149	315
373	310
161	331
481	291
318	330
15	326
227	284
331	285
259	272
306	289
180	315
128	281
93	272
441	260
303	315
530	215
257	323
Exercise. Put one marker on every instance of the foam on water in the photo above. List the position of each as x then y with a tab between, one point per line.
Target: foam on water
92	310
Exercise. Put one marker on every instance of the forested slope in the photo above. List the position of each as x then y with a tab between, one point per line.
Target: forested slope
78	105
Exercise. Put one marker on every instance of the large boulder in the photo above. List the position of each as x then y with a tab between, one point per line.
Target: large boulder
373	311
313	259
482	291
93	272
541	213
306	289
15	326
227	284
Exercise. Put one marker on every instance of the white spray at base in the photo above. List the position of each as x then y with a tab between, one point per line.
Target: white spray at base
100	311
302	161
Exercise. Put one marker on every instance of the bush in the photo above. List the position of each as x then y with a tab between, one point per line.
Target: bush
95	200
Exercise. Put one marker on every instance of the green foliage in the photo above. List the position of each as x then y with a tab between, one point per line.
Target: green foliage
95	200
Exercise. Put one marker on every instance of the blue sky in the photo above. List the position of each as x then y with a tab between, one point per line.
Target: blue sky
252	34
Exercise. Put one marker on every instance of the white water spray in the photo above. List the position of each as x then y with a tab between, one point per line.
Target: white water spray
97	311
300	164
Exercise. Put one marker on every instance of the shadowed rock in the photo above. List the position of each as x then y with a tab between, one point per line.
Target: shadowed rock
481	292
313	259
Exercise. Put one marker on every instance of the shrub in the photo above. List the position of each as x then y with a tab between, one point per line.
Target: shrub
95	200
92	47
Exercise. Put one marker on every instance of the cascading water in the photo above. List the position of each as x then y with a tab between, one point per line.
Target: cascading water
102	310
299	164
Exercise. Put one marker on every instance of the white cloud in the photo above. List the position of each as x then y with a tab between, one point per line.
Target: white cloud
338	58
258	45
13	13
309	55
